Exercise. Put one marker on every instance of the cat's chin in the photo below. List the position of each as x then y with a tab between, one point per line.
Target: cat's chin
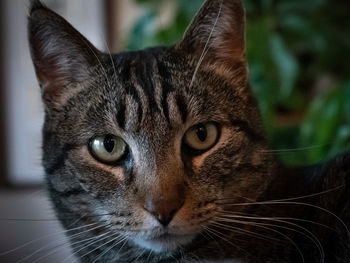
164	243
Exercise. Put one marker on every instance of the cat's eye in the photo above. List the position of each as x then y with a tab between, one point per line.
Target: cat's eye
202	137
108	148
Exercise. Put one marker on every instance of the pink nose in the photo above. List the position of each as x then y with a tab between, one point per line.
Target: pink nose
163	210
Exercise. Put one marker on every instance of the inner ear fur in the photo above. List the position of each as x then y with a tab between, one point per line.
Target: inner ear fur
62	57
220	27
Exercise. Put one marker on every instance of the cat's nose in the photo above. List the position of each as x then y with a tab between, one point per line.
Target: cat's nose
163	208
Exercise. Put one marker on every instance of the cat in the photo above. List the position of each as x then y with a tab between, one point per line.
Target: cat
159	155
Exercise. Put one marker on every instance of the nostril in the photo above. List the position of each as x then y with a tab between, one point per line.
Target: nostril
163	219
165	204
164	210
172	213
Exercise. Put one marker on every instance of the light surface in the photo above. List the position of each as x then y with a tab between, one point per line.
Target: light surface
30	204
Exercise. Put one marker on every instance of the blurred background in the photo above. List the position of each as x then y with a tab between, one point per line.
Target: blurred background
299	62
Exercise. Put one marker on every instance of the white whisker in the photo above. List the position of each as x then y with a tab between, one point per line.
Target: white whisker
292	150
110	248
43	237
98	60
217	234
239	230
309	234
296	203
114	237
281	219
111	58
206	48
57	247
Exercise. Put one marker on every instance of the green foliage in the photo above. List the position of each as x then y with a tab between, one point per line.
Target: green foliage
145	32
299	61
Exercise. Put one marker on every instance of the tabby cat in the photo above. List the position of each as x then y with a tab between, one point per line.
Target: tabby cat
159	155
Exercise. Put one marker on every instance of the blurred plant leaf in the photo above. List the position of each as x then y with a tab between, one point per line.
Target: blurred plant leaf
287	6
286	65
140	34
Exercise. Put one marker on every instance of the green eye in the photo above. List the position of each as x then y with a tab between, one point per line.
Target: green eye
107	148
201	137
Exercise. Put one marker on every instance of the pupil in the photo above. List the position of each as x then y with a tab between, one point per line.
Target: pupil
109	143
201	133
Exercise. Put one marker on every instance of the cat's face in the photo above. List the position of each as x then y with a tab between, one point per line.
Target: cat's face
150	142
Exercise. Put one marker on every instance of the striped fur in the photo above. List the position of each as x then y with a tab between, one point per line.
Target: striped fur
150	98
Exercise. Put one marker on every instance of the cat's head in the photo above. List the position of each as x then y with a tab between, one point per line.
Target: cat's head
150	142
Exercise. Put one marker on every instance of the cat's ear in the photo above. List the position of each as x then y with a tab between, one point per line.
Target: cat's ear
217	33
62	57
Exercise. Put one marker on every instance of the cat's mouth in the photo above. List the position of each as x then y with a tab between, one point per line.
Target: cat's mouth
164	242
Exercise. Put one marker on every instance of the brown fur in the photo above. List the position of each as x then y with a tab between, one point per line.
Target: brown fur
164	202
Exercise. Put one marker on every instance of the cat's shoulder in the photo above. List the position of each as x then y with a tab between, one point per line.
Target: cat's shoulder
337	168
332	180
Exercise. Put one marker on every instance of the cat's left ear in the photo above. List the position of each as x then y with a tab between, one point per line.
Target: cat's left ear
217	33
62	57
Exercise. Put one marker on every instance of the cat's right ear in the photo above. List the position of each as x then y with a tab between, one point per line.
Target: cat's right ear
62	57
216	36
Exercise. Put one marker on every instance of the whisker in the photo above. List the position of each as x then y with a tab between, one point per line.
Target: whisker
110	248
29	219
292	150
90	241
239	230
111	58
294	198
257	217
149	255
140	255
295	203
41	238
311	236
217	234
73	244
205	233
57	247
99	61
293	243
278	232
54	219
117	235
206	47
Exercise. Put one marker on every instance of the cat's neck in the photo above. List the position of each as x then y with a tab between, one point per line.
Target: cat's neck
301	212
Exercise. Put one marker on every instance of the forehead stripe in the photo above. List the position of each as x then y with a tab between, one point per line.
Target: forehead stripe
130	89
166	86
182	107
144	74
120	105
